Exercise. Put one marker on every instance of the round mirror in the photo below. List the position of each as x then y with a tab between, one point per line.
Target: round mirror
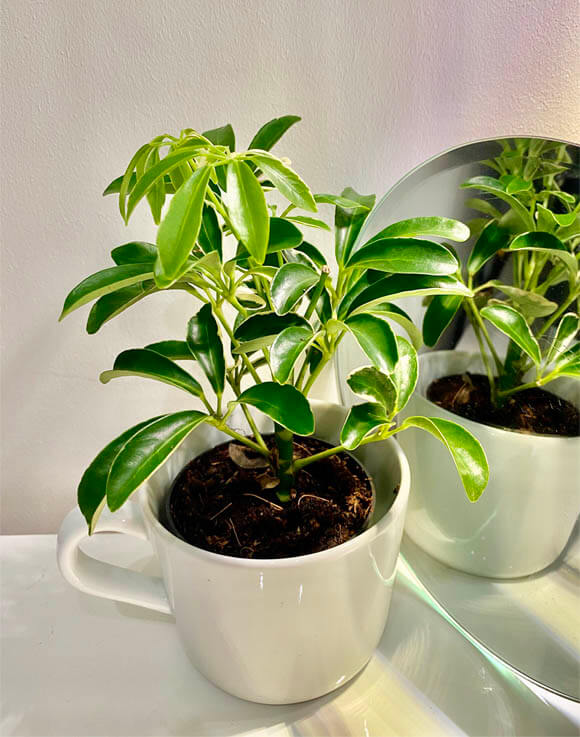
532	623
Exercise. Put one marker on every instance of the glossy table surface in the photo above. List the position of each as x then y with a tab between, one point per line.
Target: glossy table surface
75	665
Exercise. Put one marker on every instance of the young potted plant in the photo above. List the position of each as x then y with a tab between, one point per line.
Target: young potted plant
530	433
277	546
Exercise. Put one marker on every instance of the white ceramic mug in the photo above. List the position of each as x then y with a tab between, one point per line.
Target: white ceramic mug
271	631
525	516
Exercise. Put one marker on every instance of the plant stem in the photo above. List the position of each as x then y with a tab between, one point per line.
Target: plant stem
560	311
285	446
472	314
241	438
314	375
317	292
235	342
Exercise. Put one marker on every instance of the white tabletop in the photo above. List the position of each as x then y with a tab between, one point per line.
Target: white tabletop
75	665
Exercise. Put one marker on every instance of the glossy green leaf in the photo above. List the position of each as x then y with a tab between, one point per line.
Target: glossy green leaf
283	403
568	363
137	252
312	252
545	219
205	344
465	450
180	227
92	490
404	256
439	313
493	238
210	234
290	284
156	195
349	221
530	304
149	364
285	179
272	131
390	311
127	182
547	244
247	209
497	188
406	372
376	338
361	420
513	324
436	227
374	386
147	181
105	282
515	184
209	264
310	222
177	350
570	231
405	285
283	235
566	333
344	202
286	350
223	136
110	305
148	449
260	330
115	186
483	206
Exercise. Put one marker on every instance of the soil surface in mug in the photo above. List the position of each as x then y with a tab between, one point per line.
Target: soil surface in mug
531	410
219	502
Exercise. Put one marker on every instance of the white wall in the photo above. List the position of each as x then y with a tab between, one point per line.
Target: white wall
381	86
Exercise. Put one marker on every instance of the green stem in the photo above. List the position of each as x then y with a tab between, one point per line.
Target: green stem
314	375
483	329
285	446
317	292
242	439
560	311
235	342
484	356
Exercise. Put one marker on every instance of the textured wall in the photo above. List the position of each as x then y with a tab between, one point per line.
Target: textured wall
381	86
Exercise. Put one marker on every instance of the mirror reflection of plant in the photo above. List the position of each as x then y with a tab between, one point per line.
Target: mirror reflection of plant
540	230
290	314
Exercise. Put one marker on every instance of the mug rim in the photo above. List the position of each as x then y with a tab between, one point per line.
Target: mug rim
300	560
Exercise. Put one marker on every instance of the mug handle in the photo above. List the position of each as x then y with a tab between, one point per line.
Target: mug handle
105	579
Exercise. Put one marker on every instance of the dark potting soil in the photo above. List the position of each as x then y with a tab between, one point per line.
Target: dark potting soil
219	506
531	410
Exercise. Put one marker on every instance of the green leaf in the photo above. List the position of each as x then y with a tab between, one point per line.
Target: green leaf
403	285
483	206
113	304
290	284
436	227
156	195
148	449
205	344
361	420
180	227
546	220
210	234
149	364
376	338
404	256
530	304
570	231
92	490
283	403
104	282
515	184
547	244
177	350
283	235
223	136
136	252
247	209
310	222
349	221
497	188
513	324
390	311
209	264
286	350
493	238
568	363
312	252
127	178
272	131
147	181
344	202
260	330
406	372
285	179
565	334
465	450
115	186
439	313
374	386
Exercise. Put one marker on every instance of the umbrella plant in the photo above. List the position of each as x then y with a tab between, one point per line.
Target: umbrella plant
266	315
526	215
